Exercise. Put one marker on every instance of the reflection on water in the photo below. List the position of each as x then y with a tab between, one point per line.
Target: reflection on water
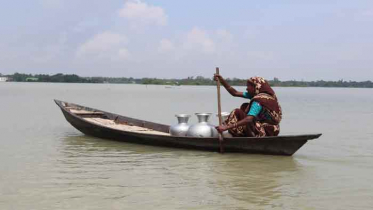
180	176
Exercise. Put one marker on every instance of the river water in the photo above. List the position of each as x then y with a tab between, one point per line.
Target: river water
45	163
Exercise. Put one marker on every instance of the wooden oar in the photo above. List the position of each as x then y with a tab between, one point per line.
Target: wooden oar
221	139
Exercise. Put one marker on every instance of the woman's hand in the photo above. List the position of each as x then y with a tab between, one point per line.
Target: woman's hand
229	88
221	128
218	77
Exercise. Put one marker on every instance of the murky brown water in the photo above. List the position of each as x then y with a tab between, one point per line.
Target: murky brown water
46	164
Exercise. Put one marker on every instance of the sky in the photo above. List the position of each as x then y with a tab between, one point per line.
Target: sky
287	39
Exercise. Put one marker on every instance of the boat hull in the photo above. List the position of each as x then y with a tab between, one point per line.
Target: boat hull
279	145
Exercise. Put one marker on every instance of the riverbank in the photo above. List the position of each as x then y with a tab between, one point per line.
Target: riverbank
199	80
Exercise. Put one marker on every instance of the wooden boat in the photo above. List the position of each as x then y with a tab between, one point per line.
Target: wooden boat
107	125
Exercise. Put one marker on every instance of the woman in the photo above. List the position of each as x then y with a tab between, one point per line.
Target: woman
260	117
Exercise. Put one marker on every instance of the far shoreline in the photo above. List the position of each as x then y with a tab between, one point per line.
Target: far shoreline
189	81
174	86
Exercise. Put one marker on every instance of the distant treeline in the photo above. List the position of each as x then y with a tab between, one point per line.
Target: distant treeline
199	80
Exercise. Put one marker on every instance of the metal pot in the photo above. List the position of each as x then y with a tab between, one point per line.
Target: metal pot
202	128
224	117
182	127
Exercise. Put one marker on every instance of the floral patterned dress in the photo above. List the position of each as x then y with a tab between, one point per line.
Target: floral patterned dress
266	121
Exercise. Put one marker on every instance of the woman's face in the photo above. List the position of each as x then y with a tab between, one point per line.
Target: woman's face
251	89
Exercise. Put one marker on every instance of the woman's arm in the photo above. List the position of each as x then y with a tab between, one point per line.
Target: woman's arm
229	88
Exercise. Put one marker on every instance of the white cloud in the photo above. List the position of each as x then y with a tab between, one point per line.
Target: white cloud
367	14
123	53
198	39
84	25
49	53
106	44
51	3
165	45
139	13
198	42
46	54
224	35
260	55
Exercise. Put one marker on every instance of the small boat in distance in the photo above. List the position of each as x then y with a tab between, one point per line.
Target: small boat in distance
107	125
